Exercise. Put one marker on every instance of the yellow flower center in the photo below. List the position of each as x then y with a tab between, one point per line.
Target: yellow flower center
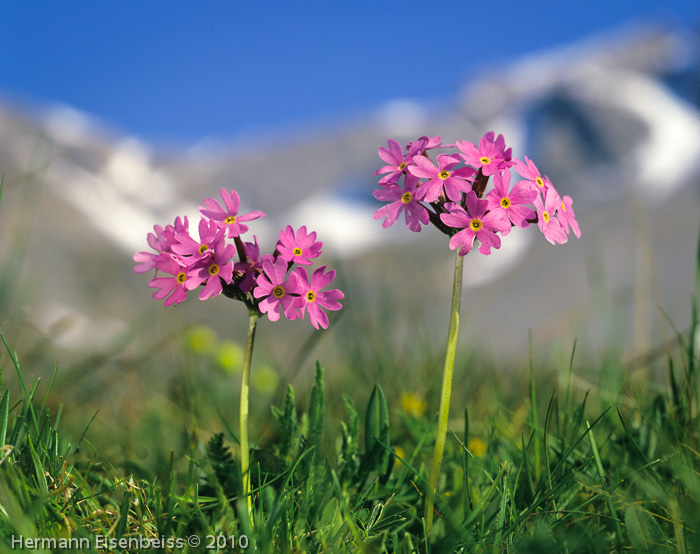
505	203
311	296
545	216
203	248
213	269
539	181
484	160
563	208
444	174
476	224
181	277
406	197
278	292
298	251
230	220
402	165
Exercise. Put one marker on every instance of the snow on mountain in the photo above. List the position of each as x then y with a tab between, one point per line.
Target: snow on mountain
600	116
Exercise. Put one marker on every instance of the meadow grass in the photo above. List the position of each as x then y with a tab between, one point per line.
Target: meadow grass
575	475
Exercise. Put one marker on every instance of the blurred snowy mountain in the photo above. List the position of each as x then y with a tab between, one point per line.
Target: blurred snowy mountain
615	121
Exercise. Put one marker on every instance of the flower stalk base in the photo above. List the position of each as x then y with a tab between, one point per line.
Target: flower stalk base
245	387
445	392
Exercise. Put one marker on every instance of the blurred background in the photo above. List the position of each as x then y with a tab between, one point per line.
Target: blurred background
117	117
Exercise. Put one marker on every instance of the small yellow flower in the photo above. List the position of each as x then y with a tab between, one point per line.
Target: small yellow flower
477	447
201	339
264	379
401	455
413	404
229	356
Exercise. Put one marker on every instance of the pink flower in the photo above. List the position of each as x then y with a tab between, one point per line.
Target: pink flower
209	233
174	284
528	170
402	199
475	223
454	182
567	217
398	162
427	143
314	299
272	287
511	205
161	241
299	249
227	216
491	155
212	269
546	217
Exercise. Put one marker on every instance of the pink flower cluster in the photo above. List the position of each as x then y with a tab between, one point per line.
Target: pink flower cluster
449	192
268	284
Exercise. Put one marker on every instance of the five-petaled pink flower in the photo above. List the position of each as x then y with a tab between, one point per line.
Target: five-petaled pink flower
402	199
212	269
160	241
491	155
528	171
277	291
227	217
174	284
300	248
209	233
397	160
454	182
511	204
546	217
567	217
314	299
476	222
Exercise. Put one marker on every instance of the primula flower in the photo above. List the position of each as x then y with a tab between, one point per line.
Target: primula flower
397	160
546	217
174	284
161	241
476	222
314	299
227	217
402	199
567	217
209	233
454	182
427	143
490	157
299	249
272	287
212	270
510	204
528	171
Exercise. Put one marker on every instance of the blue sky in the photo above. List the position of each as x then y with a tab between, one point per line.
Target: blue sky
185	71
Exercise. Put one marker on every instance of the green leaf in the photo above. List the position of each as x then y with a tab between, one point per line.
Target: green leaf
643	531
287	422
377	429
4	415
317	409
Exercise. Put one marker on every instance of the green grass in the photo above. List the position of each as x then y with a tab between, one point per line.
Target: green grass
573	477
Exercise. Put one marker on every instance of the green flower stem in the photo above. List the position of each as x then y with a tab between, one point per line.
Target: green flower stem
245	386
445	393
